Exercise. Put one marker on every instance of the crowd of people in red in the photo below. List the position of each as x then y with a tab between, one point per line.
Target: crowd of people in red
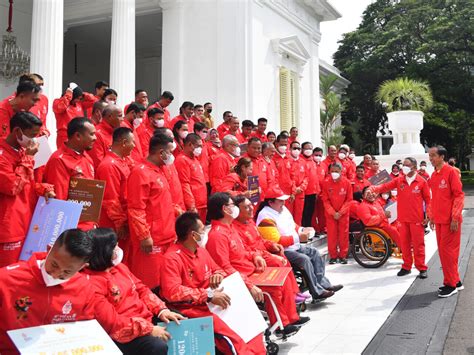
166	178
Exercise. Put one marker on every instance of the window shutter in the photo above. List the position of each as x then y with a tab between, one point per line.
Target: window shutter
285	100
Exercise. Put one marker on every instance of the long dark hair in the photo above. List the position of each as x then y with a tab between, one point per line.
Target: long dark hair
105	241
262	205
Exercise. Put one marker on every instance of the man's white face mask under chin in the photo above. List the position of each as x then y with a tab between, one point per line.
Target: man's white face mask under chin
47	278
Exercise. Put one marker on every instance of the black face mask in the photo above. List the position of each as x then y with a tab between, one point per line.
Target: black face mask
209	110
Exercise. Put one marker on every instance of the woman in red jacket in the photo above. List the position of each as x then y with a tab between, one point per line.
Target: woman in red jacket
237	183
125	302
180	131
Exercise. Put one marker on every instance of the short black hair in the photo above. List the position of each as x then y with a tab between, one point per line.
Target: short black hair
199	126
225	113
77	243
120	134
159	141
198	106
442	151
192	137
254	139
239	199
139	91
137	108
271	133
99	105
292	128
25	77
412	161
27	87
24	120
160	130
186	104
422	162
108	92
105	241
317	149
302	145
77	125
247	123
167	95
262	119
153	111
186	223
207	103
365	189
395	166
215	204
361	166
100	84
281	136
358	195
293	143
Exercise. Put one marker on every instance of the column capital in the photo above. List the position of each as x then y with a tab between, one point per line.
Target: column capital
316	37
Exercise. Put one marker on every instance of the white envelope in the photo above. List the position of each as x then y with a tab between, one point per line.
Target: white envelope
44	152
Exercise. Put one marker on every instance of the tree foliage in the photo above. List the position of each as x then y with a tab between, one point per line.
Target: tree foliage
404	94
429	41
331	108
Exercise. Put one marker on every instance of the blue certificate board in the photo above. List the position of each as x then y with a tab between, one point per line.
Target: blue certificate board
48	222
253	187
192	337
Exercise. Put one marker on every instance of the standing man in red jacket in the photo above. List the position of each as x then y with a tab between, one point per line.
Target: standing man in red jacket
155	118
18	189
223	162
72	160
165	100
313	190
40	109
150	217
445	214
186	112
283	164
192	177
360	181
298	174
319	219
337	195
260	131
115	170
413	197
223	128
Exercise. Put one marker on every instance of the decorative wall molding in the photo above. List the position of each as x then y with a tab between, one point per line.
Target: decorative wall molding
291	47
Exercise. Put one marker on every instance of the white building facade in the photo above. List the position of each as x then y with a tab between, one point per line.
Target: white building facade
256	58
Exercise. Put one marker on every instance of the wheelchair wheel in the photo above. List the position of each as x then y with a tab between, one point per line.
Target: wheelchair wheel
272	348
371	249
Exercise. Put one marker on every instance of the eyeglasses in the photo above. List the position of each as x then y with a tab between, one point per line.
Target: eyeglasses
296	148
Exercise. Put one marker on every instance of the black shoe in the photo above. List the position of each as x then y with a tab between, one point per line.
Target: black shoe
459	286
403	272
447	291
290	330
332	261
335	288
301	321
423	274
343	261
324	295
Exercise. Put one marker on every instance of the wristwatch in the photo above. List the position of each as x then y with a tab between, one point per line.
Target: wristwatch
210	295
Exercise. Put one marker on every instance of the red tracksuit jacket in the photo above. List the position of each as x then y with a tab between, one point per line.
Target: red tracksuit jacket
312	175
263	137
410	198
337	196
40	110
137	153
166	115
192	181
144	134
6	112
223	130
371	214
25	301
259	168
233	185
204	160
283	165
171	175
447	196
104	133
271	172
18	192
190	122
221	166
115	172
125	302
149	201
298	174
360	184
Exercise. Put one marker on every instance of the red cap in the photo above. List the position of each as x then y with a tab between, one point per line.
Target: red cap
277	193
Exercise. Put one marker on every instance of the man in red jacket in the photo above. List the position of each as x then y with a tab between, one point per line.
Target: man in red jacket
186	112
347	165
111	120
115	170
151	220
191	279
299	177
445	214
204	159
41	107
413	197
337	195
223	128
331	158
26	96
319	219
165	100
224	161
155	118
192	177
259	167
283	164
313	189
374	169
99	89
360	181
48	288
18	189
260	131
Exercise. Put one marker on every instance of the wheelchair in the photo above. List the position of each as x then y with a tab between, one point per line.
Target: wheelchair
370	246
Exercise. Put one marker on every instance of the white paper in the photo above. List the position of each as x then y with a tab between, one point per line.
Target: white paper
64	338
243	315
393	211
44	152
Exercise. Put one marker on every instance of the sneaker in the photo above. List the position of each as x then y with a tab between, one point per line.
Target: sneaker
459	286
290	330
343	261
299	299
423	274
324	295
332	261
403	272
447	291
304	295
302	321
335	288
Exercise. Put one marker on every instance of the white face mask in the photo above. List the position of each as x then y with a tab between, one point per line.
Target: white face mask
110	102
385	196
394	192
295	153
423	167
202	241
282	149
395	173
169	160
203	136
400	166
235	212
159	123
25	141
236	152
137	122
335	176
174	146
197	151
47	278
317	158
342	156
406	170
183	134
118	256
352	156
307	152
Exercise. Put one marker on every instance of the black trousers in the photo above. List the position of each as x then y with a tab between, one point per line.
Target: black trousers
308	209
144	345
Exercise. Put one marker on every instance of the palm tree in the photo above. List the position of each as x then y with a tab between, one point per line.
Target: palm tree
331	108
405	94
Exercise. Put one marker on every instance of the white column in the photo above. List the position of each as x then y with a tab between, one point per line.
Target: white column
380	146
47	37
315	95
122	50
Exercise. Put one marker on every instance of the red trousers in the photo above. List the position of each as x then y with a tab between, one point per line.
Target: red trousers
296	207
448	249
338	236
291	276
284	299
412	240
147	266
61	138
319	217
10	252
254	346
